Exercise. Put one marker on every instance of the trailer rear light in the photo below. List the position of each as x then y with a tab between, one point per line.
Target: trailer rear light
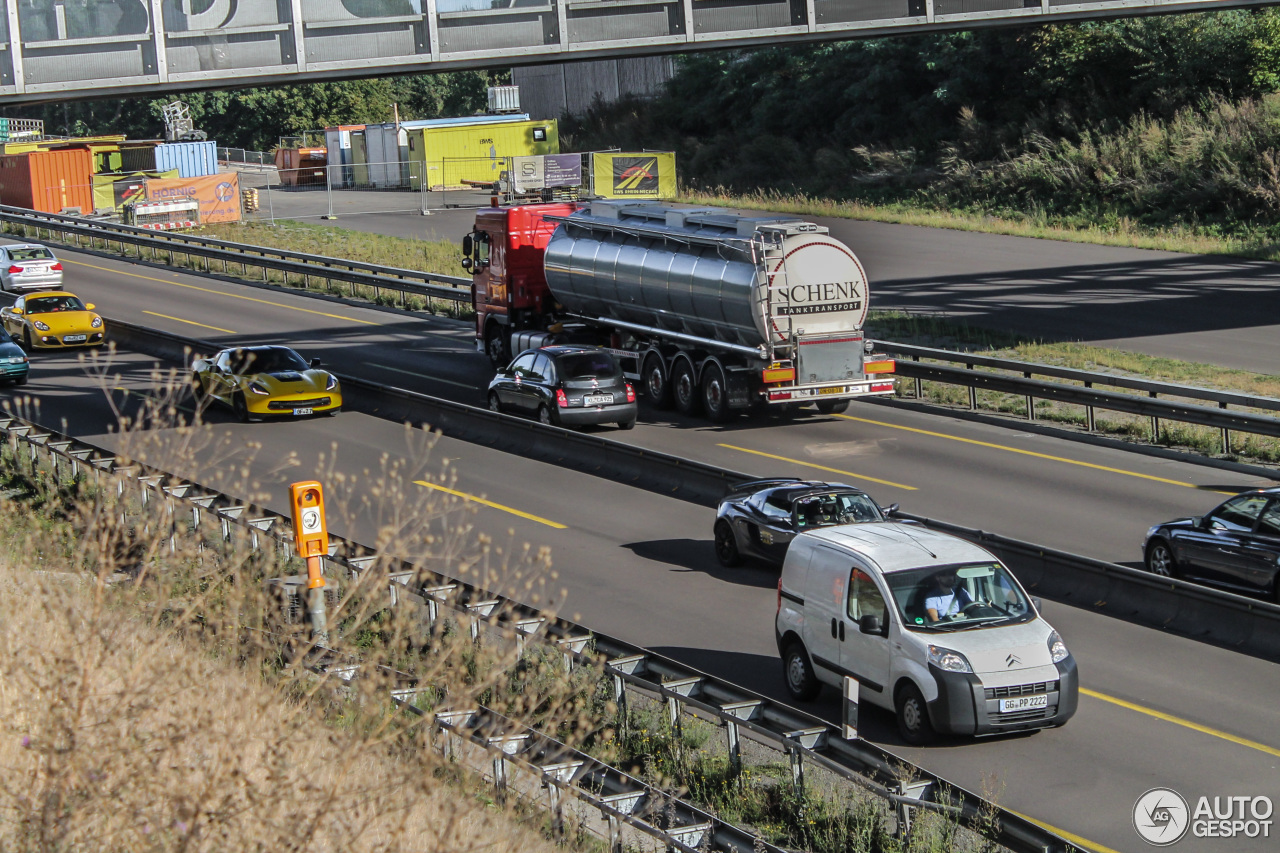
778	374
881	386
56	267
631	393
779	395
15	269
887	365
561	400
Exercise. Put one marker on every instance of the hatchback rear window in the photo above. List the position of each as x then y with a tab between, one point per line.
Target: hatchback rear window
31	254
586	364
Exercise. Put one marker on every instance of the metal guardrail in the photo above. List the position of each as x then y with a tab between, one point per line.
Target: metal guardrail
298	264
800	737
910	365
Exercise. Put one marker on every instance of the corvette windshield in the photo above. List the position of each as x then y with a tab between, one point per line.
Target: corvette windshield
54	304
267	361
956	598
825	510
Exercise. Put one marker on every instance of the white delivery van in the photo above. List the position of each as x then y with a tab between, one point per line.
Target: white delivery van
934	628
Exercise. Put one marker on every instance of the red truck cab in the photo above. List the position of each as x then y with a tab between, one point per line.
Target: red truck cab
509	288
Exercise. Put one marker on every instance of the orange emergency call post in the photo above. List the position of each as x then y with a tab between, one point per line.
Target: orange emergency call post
312	538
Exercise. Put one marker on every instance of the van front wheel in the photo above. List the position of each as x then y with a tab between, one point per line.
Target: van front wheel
913	716
802	684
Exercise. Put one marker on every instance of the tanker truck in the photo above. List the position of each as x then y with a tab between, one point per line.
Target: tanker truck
707	311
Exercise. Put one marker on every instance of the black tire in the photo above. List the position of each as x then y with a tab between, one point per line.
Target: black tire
240	407
715	394
626	424
495	405
26	341
802	684
546	416
833	407
1160	559
497	346
197	388
657	383
727	545
913	716
22	380
333	413
684	388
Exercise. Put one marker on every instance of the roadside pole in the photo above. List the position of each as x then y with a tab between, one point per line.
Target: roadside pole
312	539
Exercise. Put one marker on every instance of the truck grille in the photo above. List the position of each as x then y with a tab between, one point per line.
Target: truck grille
1021	690
290	405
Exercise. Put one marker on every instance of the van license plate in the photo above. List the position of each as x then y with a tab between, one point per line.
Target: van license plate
75	339
303	411
1024	703
837	390
597	399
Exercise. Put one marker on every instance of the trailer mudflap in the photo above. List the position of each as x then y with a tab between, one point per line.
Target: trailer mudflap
740	383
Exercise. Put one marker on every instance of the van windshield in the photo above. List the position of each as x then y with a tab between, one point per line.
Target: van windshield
958	597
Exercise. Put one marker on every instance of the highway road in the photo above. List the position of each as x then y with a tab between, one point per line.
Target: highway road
1157	709
1216	310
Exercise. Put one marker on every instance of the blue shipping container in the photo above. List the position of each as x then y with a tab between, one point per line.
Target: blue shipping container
191	159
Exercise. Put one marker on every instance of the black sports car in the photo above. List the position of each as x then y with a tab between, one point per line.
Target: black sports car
761	517
1236	545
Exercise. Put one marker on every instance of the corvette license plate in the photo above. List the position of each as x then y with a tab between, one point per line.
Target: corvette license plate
1024	703
75	339
303	411
597	399
839	389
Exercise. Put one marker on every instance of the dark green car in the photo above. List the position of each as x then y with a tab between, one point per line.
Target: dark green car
14	365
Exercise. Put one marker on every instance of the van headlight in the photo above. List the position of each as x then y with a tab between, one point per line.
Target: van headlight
948	660
1057	648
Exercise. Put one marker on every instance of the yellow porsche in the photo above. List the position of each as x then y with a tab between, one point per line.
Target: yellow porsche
53	320
266	382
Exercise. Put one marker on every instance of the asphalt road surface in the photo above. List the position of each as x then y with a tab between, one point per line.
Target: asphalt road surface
1156	709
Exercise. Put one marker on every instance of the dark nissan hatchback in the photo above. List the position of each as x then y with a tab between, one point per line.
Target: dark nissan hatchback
565	386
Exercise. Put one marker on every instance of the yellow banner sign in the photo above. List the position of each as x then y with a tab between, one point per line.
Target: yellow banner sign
630	175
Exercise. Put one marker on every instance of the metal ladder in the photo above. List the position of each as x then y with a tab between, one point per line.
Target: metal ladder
766	250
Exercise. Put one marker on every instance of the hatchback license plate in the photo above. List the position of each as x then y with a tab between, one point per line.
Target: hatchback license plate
303	411
837	390
75	339
597	399
1024	703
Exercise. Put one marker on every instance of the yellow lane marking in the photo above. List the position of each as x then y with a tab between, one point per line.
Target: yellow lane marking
819	467
557	525
224	293
1179	721
1032	453
191	322
1068	836
422	375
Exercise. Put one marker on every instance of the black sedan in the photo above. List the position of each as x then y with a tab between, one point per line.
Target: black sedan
565	386
761	517
1236	545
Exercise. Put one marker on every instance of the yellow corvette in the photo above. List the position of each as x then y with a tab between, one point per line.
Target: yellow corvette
265	382
53	320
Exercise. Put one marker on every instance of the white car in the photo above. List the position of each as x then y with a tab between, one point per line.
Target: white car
934	629
29	266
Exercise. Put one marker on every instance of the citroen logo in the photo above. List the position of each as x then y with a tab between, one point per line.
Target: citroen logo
1011	660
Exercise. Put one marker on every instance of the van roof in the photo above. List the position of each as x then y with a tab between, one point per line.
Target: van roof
896	547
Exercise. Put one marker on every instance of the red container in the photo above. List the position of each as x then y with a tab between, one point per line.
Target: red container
48	181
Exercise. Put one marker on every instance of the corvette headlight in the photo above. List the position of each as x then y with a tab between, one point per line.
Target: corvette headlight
258	388
97	322
44	327
332	383
948	660
1057	648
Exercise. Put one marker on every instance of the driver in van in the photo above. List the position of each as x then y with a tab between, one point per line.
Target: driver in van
943	600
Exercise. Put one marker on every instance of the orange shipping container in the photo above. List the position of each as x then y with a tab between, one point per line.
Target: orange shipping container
219	195
48	181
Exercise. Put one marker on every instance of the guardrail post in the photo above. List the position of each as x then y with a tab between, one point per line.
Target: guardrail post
1226	434
797	770
620	699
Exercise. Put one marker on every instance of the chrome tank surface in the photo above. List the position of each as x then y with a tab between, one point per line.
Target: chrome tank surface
695	272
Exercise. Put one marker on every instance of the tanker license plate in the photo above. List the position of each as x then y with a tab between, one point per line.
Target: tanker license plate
597	399
839	389
1024	703
303	411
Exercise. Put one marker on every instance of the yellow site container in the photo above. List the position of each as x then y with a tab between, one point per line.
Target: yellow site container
18	147
113	191
452	155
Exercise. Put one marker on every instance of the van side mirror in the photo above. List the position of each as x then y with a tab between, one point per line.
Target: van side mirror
1035	602
870	624
468	243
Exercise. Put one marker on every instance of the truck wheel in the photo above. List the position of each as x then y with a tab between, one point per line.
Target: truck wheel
684	388
657	385
802	684
833	407
715	397
497	346
913	716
